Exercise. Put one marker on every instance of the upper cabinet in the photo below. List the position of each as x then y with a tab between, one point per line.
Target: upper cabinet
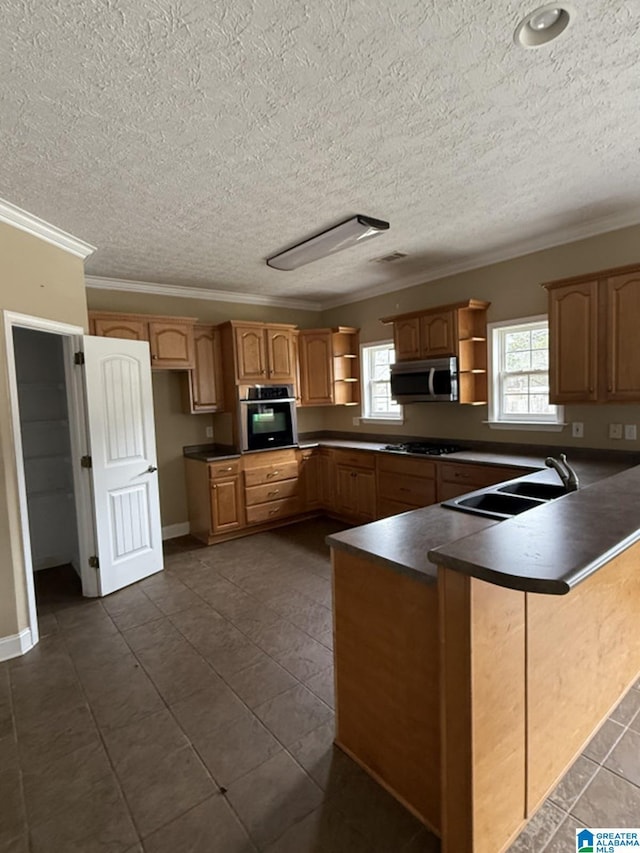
458	330
260	352
329	366
203	385
593	323
170	338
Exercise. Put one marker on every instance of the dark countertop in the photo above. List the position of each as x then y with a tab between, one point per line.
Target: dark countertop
209	452
548	549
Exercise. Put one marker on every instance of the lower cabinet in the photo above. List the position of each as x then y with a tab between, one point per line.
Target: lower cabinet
271	491
226	505
455	479
232	496
355	485
404	484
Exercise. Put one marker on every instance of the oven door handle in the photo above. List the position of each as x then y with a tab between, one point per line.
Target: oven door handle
432	371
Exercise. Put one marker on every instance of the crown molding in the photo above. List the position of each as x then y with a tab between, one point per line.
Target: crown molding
182	292
12	215
562	237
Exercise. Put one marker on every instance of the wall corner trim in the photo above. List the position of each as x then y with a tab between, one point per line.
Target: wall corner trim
16	644
12	215
172	531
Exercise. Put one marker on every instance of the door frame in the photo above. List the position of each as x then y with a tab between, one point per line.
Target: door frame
72	342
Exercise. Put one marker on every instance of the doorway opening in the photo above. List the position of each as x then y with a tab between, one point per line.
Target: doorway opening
43	407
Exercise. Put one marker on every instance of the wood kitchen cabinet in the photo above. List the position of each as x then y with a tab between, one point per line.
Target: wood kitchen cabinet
260	352
202	386
355	495
593	328
310	474
404	483
455	479
271	486
170	338
457	330
329	366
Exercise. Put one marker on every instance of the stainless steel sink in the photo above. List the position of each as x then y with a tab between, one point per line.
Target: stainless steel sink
542	491
494	504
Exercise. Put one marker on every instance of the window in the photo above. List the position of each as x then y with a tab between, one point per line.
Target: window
520	376
377	404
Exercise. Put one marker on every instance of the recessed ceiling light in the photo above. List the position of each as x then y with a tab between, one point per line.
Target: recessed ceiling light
543	25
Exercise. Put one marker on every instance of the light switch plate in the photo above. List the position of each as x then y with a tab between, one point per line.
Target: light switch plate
577	429
630	432
209	432
615	430
356	421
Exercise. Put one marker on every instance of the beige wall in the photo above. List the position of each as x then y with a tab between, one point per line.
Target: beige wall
174	429
513	288
40	280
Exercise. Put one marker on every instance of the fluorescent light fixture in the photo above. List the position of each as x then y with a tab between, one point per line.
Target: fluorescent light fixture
347	233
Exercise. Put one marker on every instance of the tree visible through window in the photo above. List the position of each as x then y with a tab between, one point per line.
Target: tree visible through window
521	373
376	380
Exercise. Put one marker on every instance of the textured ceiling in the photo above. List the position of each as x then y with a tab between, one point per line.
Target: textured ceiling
190	139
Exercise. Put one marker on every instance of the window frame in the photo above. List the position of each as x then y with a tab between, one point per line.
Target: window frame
497	418
366	415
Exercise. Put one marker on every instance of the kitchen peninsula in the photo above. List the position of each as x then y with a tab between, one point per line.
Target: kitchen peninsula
475	659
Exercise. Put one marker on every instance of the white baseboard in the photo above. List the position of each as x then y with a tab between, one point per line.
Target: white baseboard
172	531
15	645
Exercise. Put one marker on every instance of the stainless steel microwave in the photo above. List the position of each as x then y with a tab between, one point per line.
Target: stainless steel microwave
434	380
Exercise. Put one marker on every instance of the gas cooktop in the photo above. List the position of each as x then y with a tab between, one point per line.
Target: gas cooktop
424	448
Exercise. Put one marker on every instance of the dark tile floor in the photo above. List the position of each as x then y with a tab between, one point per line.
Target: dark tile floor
194	712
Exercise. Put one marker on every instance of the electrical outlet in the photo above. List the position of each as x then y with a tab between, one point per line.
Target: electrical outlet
209	432
577	429
356	421
630	432
615	430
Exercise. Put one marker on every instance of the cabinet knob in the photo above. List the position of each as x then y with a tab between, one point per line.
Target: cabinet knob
154	356
273	492
610	388
272	474
263	372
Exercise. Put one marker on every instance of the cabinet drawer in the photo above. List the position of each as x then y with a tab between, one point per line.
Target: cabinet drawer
271	492
274	509
409	490
355	458
387	462
270	474
478	475
228	468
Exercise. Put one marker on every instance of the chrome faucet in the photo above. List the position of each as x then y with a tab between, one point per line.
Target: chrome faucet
564	471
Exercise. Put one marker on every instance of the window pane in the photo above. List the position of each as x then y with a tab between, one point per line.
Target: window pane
518	360
540	359
539	382
376	376
540	339
516	404
540	403
516	341
381	373
513	384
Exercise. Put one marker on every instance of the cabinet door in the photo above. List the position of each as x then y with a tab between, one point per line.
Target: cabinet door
131	330
327	479
171	345
406	338
316	368
251	356
438	334
623	323
280	353
365	494
345	502
573	343
226	505
310	475
206	376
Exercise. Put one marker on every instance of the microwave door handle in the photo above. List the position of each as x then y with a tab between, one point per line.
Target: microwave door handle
431	375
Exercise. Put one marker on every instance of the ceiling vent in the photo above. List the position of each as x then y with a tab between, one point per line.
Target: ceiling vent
389	259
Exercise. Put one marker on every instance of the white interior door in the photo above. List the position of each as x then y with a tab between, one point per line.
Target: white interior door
123	454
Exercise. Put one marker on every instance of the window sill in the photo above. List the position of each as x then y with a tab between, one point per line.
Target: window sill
392	421
526	426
